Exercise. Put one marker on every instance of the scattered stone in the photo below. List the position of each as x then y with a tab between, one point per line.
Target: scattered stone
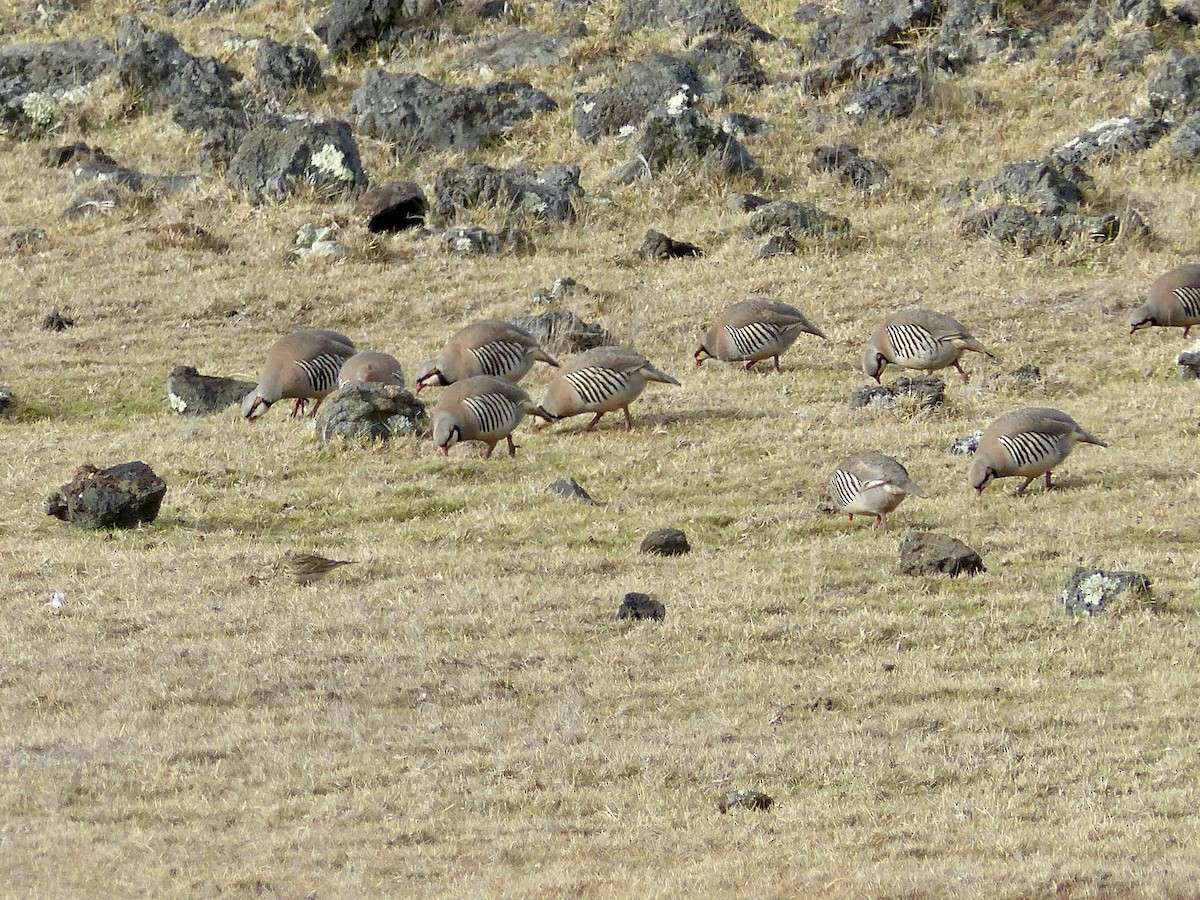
1092	591
864	24
842	159
417	114
927	553
1174	87
351	26
56	321
7	403
1028	231
121	496
967	445
741	125
888	97
697	17
518	47
369	410
640	606
26	238
666	542
1110	138
318	242
562	331
569	489
746	799
189	9
283	68
729	63
273	162
472	239
1034	183
927	391
1189	363
641	86
657	245
744	203
676	135
38	82
392	207
801	219
778	245
193	394
548	196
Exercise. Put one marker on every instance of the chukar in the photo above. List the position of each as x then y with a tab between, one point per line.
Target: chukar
871	484
601	380
753	330
371	365
1174	301
481	408
918	339
304	366
1026	442
484	348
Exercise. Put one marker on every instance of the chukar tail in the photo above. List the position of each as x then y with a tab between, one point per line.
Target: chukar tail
651	373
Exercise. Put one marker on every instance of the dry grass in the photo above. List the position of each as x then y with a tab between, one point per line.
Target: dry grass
460	713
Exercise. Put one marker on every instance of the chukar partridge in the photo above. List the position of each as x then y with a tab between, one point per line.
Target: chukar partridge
1026	443
754	330
303	366
1174	301
601	380
918	339
484	348
871	484
481	408
371	365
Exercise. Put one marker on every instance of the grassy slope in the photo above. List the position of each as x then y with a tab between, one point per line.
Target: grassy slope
460	711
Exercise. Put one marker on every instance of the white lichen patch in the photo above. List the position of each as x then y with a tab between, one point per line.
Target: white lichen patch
177	403
331	163
678	104
42	110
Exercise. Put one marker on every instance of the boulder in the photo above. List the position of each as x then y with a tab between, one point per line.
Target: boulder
803	219
1110	138
121	496
39	81
669	138
273	162
729	63
418	114
282	68
641	606
658	79
392	207
927	553
519	191
843	160
193	394
864	24
368	410
1174	86
1033	183
1092	591
890	96
1028	231
696	17
562	331
351	26
518	47
784	244
656	245
666	542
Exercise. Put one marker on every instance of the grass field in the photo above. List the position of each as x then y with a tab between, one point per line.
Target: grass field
460	713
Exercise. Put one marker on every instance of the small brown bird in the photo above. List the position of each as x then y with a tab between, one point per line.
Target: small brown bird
371	365
305	568
304	366
481	408
490	347
1026	442
1174	301
753	330
871	484
919	339
601	380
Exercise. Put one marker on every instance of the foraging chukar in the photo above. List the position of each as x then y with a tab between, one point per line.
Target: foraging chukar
871	484
1026	442
919	339
371	365
304	366
481	408
601	380
490	347
1174	301
753	330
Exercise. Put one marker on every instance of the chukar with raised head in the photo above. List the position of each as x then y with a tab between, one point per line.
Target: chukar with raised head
481	408
753	330
1174	301
371	365
919	339
490	347
873	485
1027	443
599	381
303	366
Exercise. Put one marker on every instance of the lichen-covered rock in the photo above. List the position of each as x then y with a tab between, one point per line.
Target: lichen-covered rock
1092	591
1028	231
928	553
696	16
890	96
416	113
392	207
368	410
802	219
122	496
190	9
659	79
1174	87
39	82
671	137
1034	183
778	245
641	606
562	331
286	67
1111	138
864	24
318	242
666	542
272	162
520	191
193	394
518	47
924	391
967	444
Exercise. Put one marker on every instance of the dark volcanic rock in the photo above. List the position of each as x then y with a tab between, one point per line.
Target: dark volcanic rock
641	606
367	410
1028	231
273	162
122	496
666	542
797	218
1175	85
890	96
641	86
392	207
472	239
7	404
35	79
1033	183
927	553
56	321
928	391
842	159
286	67
418	114
547	196
26	238
745	799
1185	145
194	394
569	489
657	245
728	62
518	47
189	9
1091	591
697	17
778	245
562	331
1110	138
864	24
350	26
669	138
1189	365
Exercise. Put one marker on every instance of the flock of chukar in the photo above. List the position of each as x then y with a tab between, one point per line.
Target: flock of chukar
479	367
